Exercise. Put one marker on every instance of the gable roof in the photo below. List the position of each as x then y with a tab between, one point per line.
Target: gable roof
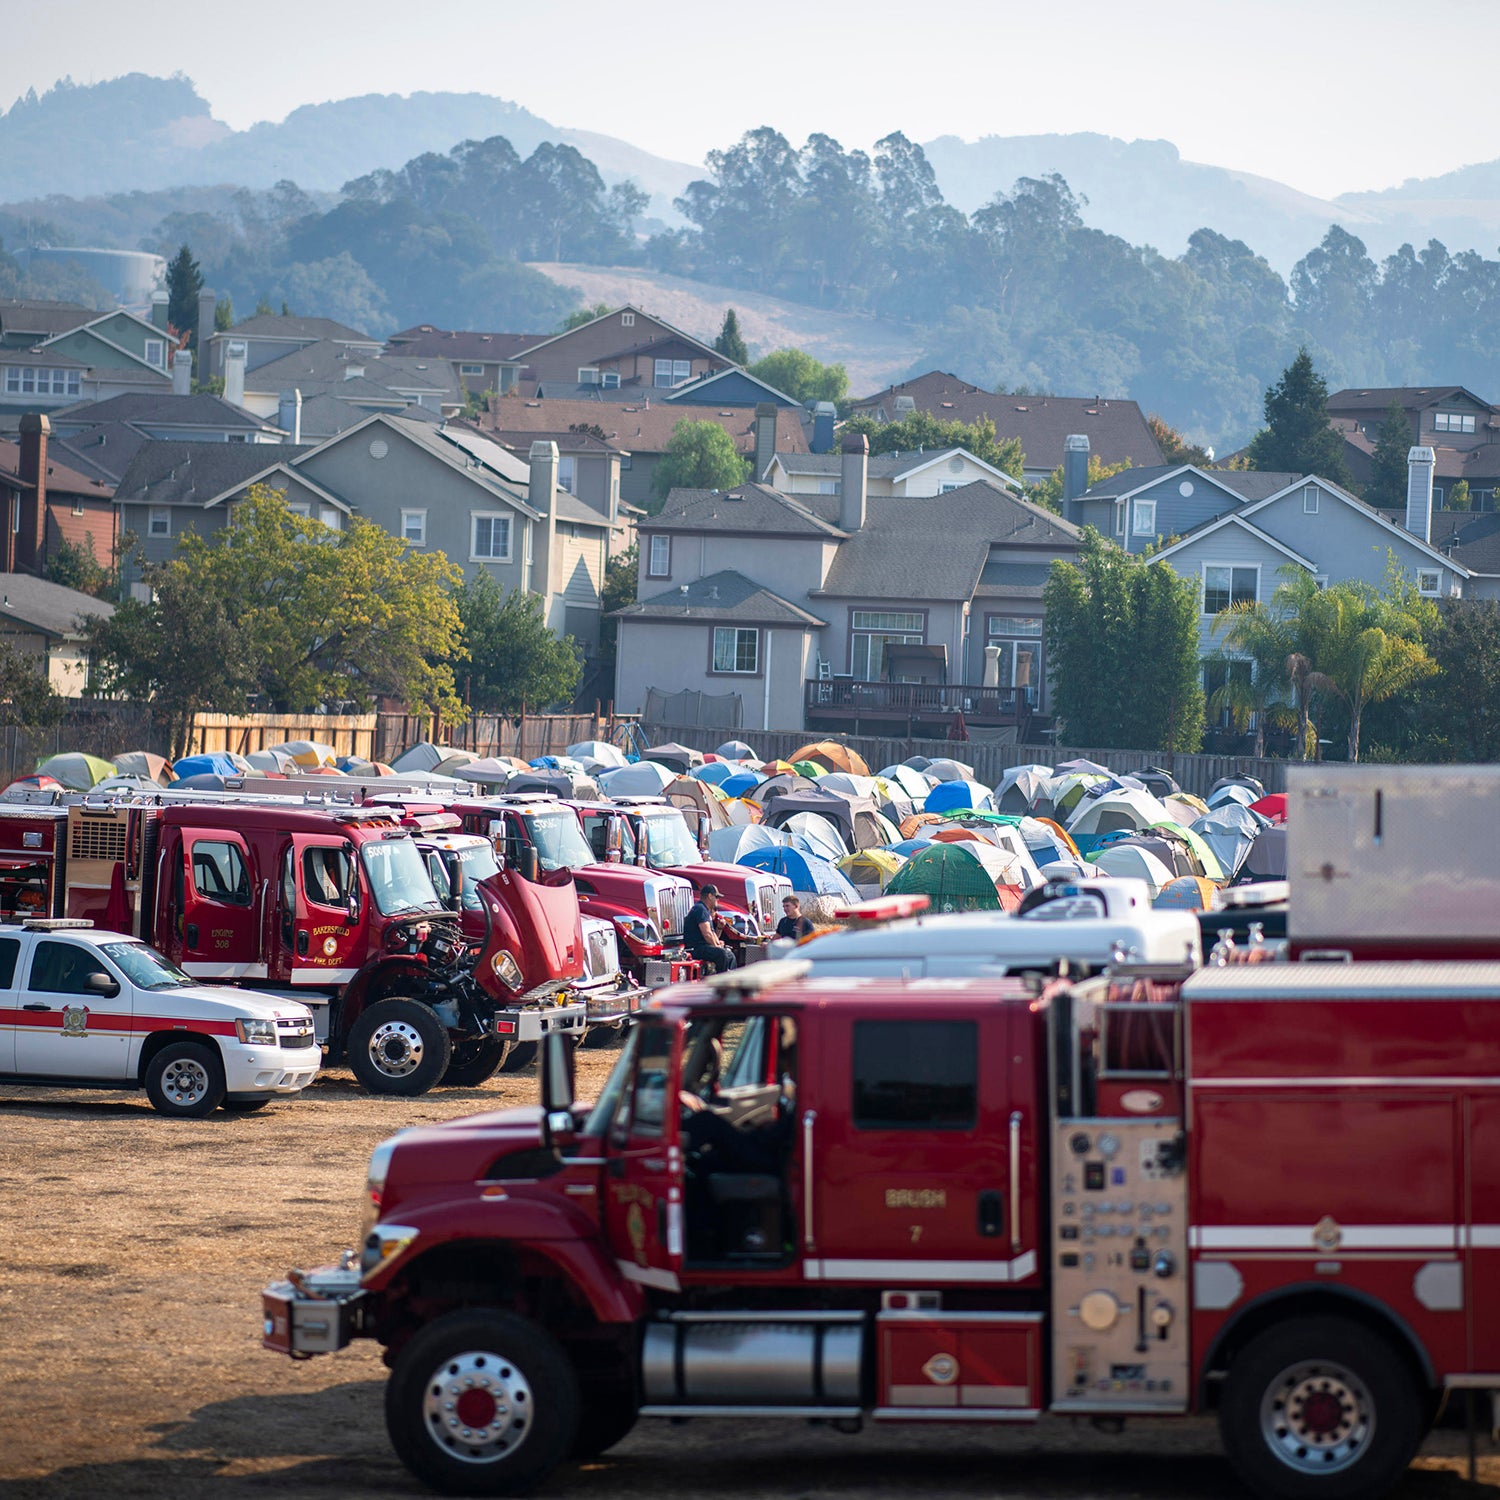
42	318
1116	429
615	312
642	427
324	367
701	389
163	472
1237	519
753	508
468	348
1473	540
61	478
102	452
1247	484
727	596
885	465
275	468
162	408
137	364
47	607
282	326
1410	397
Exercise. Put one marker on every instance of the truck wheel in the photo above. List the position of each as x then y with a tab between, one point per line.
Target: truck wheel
522	1055
1320	1409
185	1080
399	1047
482	1403
473	1062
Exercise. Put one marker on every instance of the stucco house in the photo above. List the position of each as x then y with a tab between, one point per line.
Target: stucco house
934	472
48	622
846	611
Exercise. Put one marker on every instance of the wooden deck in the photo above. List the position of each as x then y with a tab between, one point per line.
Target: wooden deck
910	707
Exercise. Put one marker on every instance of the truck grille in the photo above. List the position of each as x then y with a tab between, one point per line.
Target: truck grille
603	952
675	901
294	1033
765	893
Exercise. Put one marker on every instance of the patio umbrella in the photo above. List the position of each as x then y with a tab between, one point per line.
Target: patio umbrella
832	756
681	758
597	751
947	796
75	769
734	750
645	778
958	877
308	753
146	764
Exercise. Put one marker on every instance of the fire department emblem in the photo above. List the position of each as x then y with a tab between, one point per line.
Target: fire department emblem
330	947
1326	1233
75	1020
941	1369
635	1227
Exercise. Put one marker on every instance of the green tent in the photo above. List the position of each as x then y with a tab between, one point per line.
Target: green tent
1199	845
958	877
809	768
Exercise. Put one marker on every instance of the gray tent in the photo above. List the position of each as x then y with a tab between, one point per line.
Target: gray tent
1230	831
856	818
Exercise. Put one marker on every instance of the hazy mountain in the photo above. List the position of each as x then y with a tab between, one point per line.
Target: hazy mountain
143	133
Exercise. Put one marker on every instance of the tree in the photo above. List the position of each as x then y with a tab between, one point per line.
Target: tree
515	661
1388	465
581	315
699	456
730	343
27	699
1461	704
921	430
184	282
802	377
76	567
620	580
1297	438
223	315
1122	647
1458	496
1175	449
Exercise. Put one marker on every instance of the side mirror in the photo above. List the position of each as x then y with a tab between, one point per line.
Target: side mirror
703	832
455	901
557	1086
103	984
526	862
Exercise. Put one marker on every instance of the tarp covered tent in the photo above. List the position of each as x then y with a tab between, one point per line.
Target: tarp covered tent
645	778
957	877
809	874
215	763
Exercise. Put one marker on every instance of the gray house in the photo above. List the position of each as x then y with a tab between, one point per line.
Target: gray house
269	337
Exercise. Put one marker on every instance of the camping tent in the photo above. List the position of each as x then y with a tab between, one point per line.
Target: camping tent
311	753
1020	787
740	783
727	844
597	752
858	820
1230	832
715	772
871	869
809	874
734	750
680	758
913	783
1112	811
214	764
146	764
958	877
832	756
1129	860
1231	791
949	770
645	778
814	832
782	781
1187	891
949	796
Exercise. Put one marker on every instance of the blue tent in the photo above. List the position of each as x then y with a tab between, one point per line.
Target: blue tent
213	764
714	772
952	796
908	847
806	871
740	783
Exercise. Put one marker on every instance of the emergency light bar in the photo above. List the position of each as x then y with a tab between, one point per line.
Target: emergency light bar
882	908
433	822
56	924
747	983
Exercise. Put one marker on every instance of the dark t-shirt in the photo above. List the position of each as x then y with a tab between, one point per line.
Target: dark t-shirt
794	927
692	938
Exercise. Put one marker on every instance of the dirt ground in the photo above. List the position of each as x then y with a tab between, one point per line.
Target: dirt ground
134	1249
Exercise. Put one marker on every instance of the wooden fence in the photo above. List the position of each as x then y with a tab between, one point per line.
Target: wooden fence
990	758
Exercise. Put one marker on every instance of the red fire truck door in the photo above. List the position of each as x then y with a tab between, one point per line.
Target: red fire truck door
221	926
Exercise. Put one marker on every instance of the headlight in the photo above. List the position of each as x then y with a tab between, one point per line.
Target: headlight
638	930
507	969
380	1165
261	1033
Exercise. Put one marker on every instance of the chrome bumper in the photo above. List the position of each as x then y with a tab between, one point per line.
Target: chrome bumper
531	1023
615	1005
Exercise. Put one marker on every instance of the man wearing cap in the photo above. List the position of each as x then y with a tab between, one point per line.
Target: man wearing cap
698	934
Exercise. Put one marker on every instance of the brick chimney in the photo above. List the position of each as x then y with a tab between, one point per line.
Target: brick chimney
856	468
542	495
29	538
765	439
1420	463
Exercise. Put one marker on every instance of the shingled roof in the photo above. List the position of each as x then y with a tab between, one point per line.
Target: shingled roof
168	473
48	608
725	596
753	508
641	427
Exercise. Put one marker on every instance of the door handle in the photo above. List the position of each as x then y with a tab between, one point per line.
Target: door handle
655	1164
302	942
991	1213
35	1006
809	1231
1015	1181
192	934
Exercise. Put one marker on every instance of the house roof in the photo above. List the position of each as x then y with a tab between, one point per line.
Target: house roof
1410	397
748	507
1248	484
1236	519
47	607
1000	579
468	348
1116	429
324	367
701	389
171	473
644	426
278	326
162	408
102	452
41	317
615	312
667	342
727	596
567	442
1466	537
1480	465
61	477
882	465
51	359
937	546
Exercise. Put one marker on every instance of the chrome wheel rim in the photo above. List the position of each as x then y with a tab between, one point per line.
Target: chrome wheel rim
1317	1417
184	1081
396	1049
477	1407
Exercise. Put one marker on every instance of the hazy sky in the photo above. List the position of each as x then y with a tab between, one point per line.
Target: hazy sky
1326	95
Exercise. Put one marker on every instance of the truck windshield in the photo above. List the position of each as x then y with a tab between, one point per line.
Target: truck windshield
668	842
399	881
560	844
479	863
143	966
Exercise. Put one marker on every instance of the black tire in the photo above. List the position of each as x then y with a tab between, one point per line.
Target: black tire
185	1080
521	1057
1320	1409
244	1106
528	1431
399	1047
474	1062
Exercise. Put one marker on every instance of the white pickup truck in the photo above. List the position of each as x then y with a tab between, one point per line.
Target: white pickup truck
81	1008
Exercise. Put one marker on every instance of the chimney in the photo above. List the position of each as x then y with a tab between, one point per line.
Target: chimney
1075	474
825	414
765	439
234	372
1420	462
541	493
206	301
852	489
28	539
182	372
289	415
159	310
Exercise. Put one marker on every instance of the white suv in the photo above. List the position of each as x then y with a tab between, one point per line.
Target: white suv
87	1009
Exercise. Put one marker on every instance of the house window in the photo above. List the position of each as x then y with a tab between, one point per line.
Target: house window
670	372
1437	497
414	527
1453	421
1215	675
625	461
491	538
156	353
736	650
1145	518
1019	638
627	320
1310	500
872	630
610	380
78	507
301	508
160	522
660	565
944	488
1120	510
1225	586
15	512
828	486
588	375
471	369
567	468
71	383
1429	582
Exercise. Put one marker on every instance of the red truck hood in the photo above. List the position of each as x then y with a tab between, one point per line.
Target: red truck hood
547	912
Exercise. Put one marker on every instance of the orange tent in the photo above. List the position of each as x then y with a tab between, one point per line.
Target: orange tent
910	824
1063	834
957	835
835	756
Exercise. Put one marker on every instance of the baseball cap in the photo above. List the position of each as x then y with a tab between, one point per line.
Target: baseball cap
709	890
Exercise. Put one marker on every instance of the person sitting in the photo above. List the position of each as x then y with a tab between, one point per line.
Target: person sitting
793	924
698	935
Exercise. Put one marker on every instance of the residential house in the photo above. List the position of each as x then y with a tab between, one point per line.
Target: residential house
729	387
934	472
480	361
846	611
109	355
24	322
641	431
50	623
1462	429
588	468
268	337
1117	430
47	502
